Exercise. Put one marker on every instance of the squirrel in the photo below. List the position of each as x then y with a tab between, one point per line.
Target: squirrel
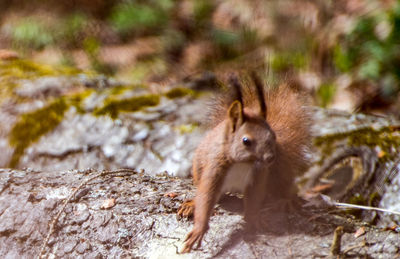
259	141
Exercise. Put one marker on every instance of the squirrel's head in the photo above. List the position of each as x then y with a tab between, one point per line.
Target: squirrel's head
250	136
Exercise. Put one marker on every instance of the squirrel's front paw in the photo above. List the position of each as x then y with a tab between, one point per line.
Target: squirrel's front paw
195	236
186	210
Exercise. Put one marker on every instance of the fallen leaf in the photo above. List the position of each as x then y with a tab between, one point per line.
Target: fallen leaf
359	232
394	228
322	187
316	190
109	203
381	154
6	54
171	195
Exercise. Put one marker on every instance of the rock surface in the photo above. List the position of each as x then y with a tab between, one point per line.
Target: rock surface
158	139
142	223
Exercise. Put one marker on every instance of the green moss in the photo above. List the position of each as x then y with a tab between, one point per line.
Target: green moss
130	17
186	128
76	99
374	198
31	32
287	60
149	66
383	138
72	27
358	200
179	92
113	107
386	138
117	91
7	87
31	126
14	70
325	94
24	69
342	59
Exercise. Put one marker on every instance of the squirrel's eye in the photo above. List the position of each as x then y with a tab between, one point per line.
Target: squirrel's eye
246	141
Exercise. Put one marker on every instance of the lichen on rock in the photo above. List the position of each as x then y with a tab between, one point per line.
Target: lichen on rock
179	92
31	126
114	107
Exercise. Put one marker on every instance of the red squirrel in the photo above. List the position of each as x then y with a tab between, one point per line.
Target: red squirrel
258	143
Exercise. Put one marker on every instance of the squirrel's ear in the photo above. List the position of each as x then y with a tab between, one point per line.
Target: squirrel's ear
235	114
260	94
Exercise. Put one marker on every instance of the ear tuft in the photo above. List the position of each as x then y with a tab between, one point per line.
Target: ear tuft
235	115
260	94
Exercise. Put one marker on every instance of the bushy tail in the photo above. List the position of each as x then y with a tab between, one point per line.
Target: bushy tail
291	121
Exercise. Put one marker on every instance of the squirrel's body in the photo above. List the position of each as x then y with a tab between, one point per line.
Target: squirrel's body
258	143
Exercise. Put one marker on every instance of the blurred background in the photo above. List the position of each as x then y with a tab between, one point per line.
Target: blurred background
345	52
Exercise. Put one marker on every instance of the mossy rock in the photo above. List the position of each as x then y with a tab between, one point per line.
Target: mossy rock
386	139
12	71
186	128
114	107
179	92
31	126
24	69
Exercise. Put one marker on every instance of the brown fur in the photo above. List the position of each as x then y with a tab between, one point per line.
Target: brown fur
286	114
273	148
291	123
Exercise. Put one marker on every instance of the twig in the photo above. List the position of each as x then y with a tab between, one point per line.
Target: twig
337	240
328	200
348	205
363	244
66	201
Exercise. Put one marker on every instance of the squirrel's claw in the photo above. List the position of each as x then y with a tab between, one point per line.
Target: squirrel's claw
186	210
194	237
